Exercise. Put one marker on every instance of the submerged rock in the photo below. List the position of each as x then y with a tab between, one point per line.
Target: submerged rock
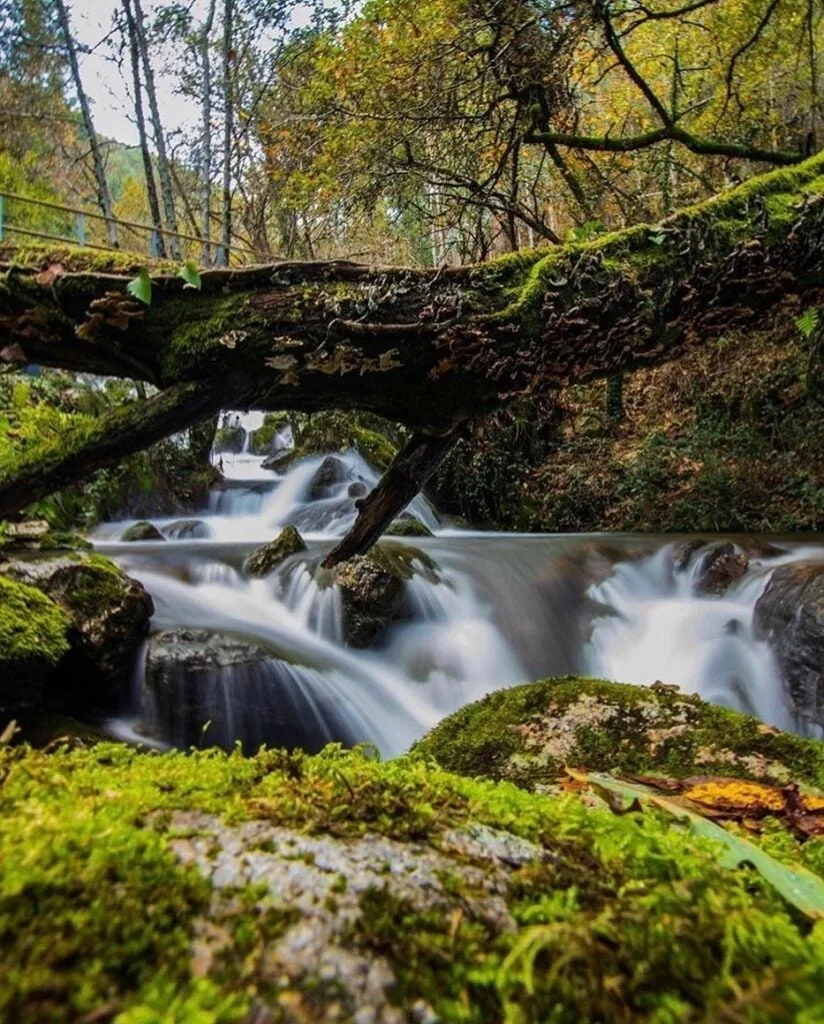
109	613
372	589
530	734
188	529
263	561
337	888
790	616
721	565
142	531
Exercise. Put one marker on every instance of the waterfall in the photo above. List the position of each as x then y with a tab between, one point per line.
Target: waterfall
498	610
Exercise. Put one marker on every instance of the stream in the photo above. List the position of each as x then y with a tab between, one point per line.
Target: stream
498	610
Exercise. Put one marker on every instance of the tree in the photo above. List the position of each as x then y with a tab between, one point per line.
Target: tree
104	198
148	166
433	351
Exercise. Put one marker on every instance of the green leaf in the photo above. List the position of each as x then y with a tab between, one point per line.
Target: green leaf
141	287
796	884
190	275
808	322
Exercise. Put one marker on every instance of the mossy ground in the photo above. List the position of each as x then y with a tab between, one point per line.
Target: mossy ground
604	918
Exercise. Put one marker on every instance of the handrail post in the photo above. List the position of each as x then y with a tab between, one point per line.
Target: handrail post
81	229
155	243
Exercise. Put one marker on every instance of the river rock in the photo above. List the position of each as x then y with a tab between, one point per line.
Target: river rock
357	489
720	566
330	472
280	461
109	613
188	529
790	616
141	531
372	589
207	688
287	543
408	527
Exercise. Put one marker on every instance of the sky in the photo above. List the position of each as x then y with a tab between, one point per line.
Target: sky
111	100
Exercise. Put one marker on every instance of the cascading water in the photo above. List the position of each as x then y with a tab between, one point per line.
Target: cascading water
499	609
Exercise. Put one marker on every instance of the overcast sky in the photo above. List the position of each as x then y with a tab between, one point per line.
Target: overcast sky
111	101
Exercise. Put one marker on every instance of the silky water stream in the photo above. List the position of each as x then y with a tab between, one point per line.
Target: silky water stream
500	609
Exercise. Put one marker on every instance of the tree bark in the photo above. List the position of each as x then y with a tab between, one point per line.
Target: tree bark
430	349
104	197
148	168
409	471
157	129
228	124
206	133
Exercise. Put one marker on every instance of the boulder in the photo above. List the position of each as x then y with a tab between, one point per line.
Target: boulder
720	566
372	589
285	887
408	527
330	473
358	489
108	610
34	635
532	734
266	439
287	543
188	529
790	616
207	688
141	531
280	461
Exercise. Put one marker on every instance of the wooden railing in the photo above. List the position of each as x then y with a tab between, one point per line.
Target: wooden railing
132	235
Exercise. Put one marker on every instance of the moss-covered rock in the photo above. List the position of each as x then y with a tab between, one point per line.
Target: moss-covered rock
409	527
188	529
207	887
263	561
372	589
230	440
33	639
264	440
528	734
109	613
141	531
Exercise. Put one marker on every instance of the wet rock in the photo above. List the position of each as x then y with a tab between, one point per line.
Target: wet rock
142	531
790	616
408	527
330	473
230	440
205	688
372	589
188	529
266	439
358	489
720	566
109	612
287	543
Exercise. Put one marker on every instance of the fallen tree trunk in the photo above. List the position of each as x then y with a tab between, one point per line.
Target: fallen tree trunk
430	350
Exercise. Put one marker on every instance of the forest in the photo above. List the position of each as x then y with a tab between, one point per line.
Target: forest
411	511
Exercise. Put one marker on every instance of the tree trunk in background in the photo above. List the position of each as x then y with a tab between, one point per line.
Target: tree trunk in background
228	124
615	397
157	128
104	197
206	133
148	167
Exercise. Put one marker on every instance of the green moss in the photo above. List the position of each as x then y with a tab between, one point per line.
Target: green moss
260	442
529	732
97	585
614	918
408	528
287	543
32	628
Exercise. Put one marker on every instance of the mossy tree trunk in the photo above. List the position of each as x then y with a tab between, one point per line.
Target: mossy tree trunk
430	350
